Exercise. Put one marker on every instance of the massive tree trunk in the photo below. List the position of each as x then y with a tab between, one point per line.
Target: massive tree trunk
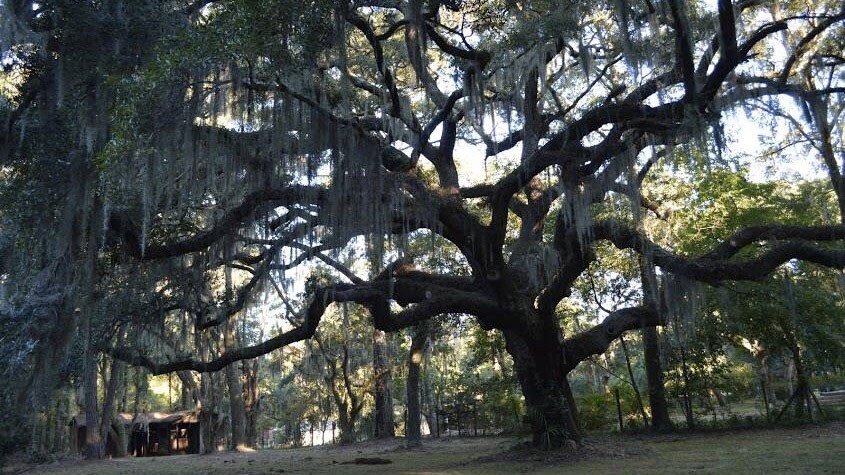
541	373
384	425
413	434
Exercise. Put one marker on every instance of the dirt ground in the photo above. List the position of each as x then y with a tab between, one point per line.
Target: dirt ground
807	449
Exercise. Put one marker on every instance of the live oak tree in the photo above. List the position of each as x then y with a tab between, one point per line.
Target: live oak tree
171	161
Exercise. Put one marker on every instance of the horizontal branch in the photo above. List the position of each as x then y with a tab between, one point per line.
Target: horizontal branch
714	267
597	339
774	232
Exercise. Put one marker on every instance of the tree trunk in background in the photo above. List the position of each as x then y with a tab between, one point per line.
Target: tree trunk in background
762	360
236	398
206	442
209	396
185	400
94	446
117	433
660	421
250	371
60	425
383	395
634	386
802	395
122	404
345	423
761	367
413	435
141	387
189	392
429	406
115	375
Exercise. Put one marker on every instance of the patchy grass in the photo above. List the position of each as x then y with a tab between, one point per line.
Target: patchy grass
807	449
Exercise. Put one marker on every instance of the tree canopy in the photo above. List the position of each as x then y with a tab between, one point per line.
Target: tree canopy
166	164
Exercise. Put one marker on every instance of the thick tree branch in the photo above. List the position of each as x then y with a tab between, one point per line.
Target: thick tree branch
803	44
683	45
597	339
715	270
423	299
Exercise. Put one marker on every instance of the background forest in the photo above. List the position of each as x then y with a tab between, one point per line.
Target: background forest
317	222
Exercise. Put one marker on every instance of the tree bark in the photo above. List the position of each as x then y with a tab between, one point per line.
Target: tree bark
802	384
384	424
660	421
413	434
115	375
429	407
636	388
346	423
237	410
207	442
59	428
541	373
250	371
94	446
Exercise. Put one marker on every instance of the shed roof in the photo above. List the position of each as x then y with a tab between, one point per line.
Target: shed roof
188	417
166	417
123	417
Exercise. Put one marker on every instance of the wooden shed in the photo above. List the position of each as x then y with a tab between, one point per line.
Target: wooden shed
148	433
164	433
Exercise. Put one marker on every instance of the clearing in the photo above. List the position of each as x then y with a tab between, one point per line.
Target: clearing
806	449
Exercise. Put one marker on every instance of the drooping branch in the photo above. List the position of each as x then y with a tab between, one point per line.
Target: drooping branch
222	313
122	225
422	297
